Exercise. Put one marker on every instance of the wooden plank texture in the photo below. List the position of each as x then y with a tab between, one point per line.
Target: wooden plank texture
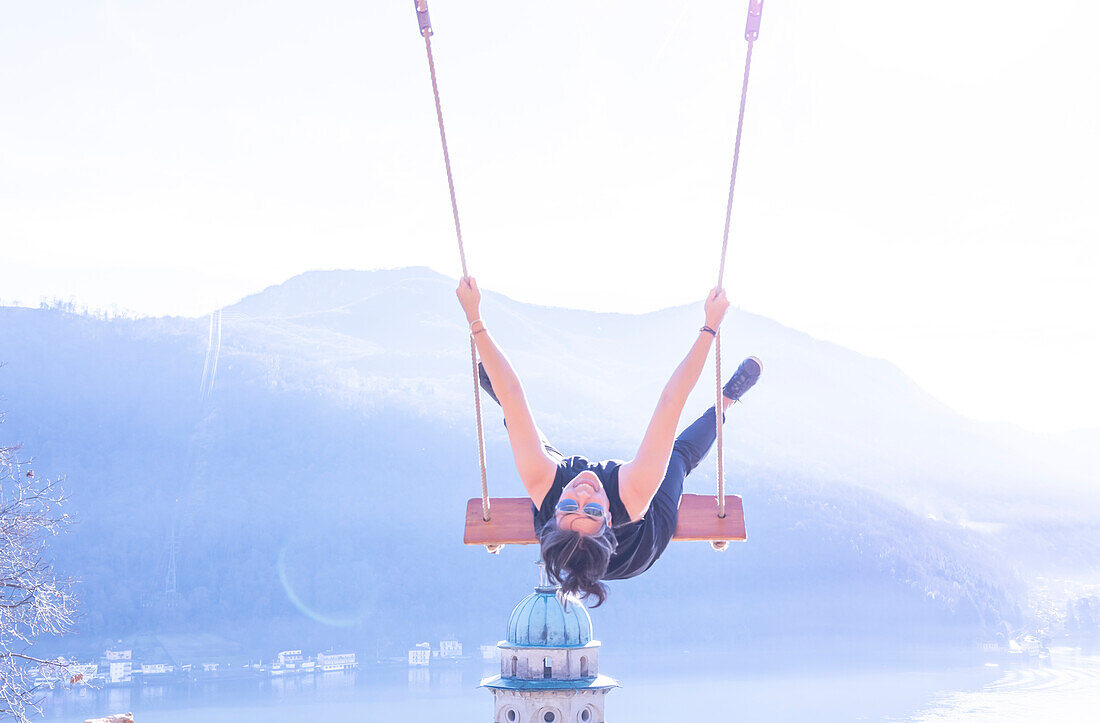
512	523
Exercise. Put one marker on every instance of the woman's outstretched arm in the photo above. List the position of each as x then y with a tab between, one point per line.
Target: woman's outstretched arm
535	466
640	478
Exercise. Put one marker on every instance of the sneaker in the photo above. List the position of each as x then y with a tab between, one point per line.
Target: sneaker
488	385
743	379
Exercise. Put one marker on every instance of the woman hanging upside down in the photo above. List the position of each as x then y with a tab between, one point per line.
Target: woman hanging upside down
607	520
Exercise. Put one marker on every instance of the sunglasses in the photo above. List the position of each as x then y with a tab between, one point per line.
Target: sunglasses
592	509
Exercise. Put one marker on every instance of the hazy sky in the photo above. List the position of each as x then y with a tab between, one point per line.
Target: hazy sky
918	181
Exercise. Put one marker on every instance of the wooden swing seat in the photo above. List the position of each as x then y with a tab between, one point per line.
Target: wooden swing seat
512	523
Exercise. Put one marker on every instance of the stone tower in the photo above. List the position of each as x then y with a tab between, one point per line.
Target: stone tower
549	665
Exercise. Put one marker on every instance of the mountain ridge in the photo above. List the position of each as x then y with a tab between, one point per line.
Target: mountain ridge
853	477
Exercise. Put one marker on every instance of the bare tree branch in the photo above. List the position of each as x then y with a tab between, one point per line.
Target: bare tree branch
34	601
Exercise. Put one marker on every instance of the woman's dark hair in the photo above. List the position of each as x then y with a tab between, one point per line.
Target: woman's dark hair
576	561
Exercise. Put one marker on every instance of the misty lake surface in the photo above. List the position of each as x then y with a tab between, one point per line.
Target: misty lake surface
680	688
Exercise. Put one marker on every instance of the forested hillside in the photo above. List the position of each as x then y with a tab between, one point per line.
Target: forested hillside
317	492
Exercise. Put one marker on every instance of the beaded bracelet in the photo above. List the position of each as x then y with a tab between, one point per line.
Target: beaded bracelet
710	331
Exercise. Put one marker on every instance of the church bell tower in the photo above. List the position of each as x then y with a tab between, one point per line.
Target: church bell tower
549	664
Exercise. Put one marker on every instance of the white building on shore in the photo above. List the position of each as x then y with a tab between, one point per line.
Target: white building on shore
120	671
450	648
336	662
421	655
289	662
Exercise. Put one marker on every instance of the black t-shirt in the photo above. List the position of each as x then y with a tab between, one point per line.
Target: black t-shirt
639	543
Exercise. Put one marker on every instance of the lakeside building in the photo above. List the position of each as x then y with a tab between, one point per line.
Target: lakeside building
48	676
336	662
450	648
120	672
289	657
549	663
449	651
115	667
118	666
153	664
292	662
420	655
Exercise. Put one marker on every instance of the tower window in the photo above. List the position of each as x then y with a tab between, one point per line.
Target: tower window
584	669
515	668
548	672
549	716
585	716
511	716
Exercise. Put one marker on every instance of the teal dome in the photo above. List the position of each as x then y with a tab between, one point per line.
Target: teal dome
542	621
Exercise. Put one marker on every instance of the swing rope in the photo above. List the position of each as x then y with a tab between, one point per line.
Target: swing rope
752	32
426	32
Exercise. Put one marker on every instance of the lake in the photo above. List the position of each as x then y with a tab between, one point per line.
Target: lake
922	689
